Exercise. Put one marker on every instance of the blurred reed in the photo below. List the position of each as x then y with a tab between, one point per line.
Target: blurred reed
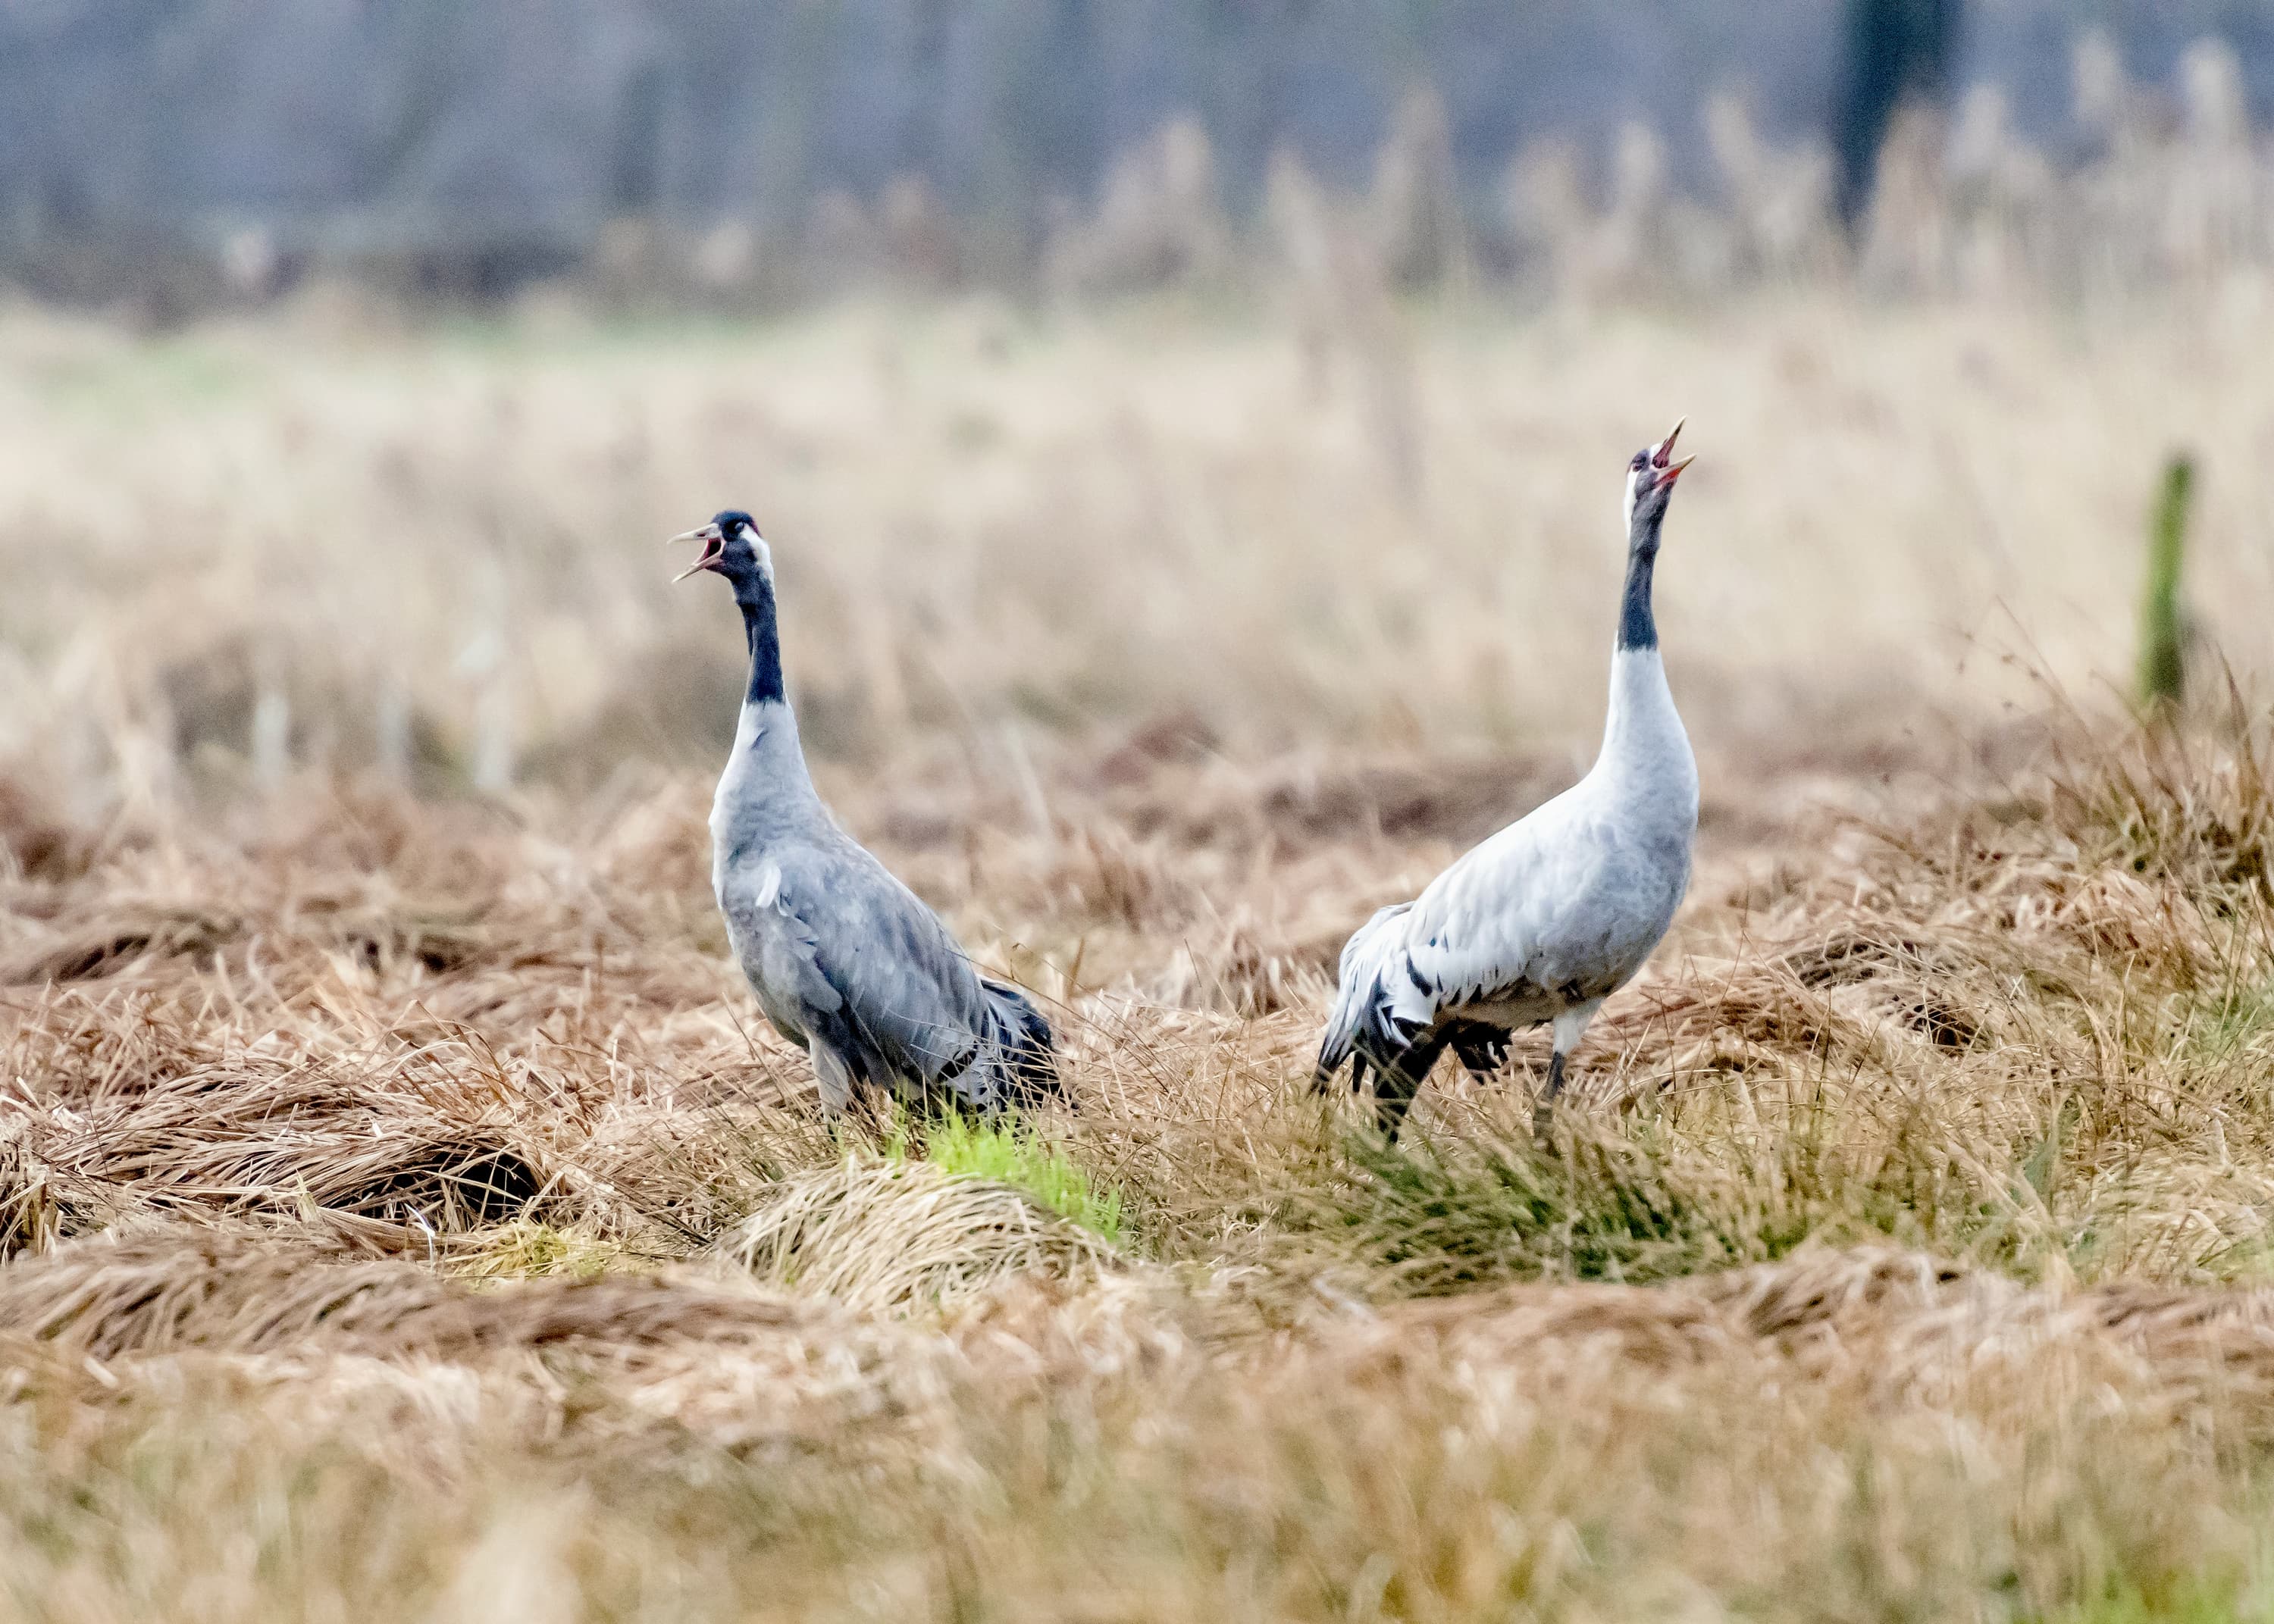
344	536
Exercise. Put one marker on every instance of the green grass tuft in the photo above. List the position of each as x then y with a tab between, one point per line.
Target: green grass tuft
2196	1601
1016	1154
2240	1016
1459	1214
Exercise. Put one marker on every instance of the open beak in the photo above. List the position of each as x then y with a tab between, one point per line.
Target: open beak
1663	458
714	548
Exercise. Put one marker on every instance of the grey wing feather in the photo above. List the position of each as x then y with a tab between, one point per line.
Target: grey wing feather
789	969
878	979
891	964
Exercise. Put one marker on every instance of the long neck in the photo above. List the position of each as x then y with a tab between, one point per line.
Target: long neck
1637	627
754	594
1643	732
766	789
1642	724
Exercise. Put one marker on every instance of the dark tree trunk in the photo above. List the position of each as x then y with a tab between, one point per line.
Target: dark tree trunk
1897	50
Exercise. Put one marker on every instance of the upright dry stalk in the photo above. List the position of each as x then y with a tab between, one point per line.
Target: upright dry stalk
1998	187
1544	208
2163	630
1160	223
1780	198
485	663
2103	223
1906	234
2211	226
1387	371
270	746
1346	305
2104	102
1630	252
1296	209
392	728
1416	201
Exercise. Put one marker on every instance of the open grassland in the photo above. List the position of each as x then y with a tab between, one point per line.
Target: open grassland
329	543
407	1214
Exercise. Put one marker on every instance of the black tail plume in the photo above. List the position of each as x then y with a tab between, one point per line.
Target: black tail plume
1399	1075
1030	1069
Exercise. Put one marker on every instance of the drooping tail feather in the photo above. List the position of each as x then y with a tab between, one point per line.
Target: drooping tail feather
1358	998
1365	1032
1023	1042
1398	1076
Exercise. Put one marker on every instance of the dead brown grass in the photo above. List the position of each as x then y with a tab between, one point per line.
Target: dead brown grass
404	1203
402	1208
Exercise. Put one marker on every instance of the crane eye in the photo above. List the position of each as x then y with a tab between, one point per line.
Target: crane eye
1641	460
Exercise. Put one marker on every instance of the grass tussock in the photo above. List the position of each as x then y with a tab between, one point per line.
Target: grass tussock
1456	1215
897	1234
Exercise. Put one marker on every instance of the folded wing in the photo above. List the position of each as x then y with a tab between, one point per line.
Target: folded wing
850	962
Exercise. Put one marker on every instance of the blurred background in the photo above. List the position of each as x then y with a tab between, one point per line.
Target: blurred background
1238	376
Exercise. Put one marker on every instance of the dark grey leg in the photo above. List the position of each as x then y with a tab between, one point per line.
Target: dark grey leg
1544	1107
1396	1084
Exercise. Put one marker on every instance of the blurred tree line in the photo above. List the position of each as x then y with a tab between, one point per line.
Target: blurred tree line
491	139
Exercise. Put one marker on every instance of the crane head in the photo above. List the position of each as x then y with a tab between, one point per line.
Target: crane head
1650	475
731	546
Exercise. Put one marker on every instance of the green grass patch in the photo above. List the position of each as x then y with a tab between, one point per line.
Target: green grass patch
1012	1153
1458	1215
2243	1015
2191	1602
156	376
1451	1213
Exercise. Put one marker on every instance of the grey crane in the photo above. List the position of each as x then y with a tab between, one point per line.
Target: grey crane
846	961
1545	920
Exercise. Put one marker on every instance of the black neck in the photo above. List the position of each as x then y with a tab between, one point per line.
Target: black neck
754	593
1638	628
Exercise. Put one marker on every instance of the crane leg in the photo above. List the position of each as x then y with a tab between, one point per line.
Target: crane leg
1395	1085
1570	1027
1543	1107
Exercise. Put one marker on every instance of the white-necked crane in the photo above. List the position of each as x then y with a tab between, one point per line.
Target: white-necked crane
1545	920
846	961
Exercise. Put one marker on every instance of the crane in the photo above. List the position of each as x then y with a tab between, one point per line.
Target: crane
1549	917
847	962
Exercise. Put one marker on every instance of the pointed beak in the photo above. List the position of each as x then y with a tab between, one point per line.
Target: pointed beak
714	547
1663	457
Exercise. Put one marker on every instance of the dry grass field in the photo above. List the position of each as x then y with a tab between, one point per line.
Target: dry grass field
407	1214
